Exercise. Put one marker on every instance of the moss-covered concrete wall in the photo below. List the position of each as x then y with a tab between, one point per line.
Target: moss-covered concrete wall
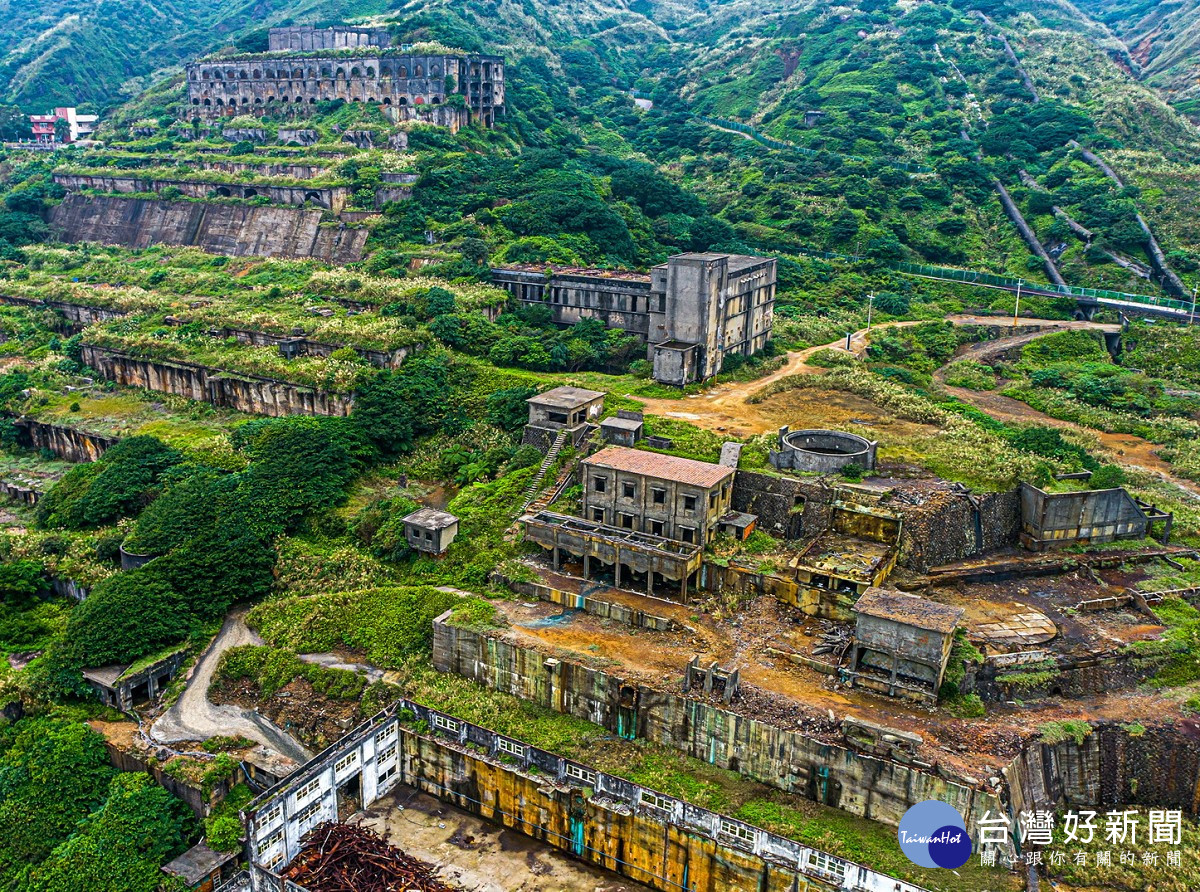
789	759
1112	765
238	230
246	393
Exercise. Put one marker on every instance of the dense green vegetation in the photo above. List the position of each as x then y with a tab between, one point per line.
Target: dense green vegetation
73	823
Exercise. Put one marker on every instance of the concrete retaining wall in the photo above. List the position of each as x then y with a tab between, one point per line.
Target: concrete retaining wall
238	230
68	443
597	607
302	346
332	198
246	393
599	818
791	760
1157	766
80	315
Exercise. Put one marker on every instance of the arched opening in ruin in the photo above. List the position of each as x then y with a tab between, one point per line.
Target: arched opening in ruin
314	197
195	102
356	99
300	99
257	75
419	72
245	101
270	99
326	71
354	72
435	71
223	192
341	72
312	101
403	71
243	75
217	75
437	100
404	100
283	99
370	99
387	100
249	193
258	100
208	102
370	72
298	74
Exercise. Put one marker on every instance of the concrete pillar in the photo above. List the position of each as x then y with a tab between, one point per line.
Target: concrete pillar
683	589
650	583
556	562
587	566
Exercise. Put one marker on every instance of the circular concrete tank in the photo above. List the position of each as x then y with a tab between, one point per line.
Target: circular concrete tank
824	451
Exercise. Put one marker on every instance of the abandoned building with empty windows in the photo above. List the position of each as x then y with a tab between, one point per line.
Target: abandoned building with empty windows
306	65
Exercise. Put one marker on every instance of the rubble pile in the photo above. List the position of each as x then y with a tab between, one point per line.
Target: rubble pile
352	858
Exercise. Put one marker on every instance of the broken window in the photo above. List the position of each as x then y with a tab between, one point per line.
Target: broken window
659	496
712	500
599	484
598	515
689	503
688	535
628	490
627	521
658	528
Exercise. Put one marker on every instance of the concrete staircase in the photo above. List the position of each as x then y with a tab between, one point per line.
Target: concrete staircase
536	484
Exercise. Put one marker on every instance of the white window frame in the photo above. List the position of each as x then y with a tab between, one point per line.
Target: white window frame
442	723
579	773
306	792
653	800
386	773
271	841
271	815
510	748
827	864
385	735
387	754
348	761
275	861
736	830
313	809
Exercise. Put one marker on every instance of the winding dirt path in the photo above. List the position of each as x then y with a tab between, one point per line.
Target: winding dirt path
725	407
194	717
1126	449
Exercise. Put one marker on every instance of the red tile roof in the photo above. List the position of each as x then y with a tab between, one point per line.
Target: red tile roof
665	467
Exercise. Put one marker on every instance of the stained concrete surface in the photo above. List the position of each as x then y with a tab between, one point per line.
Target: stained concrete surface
478	856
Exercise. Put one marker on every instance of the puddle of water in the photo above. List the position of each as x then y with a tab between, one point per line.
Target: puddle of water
545	622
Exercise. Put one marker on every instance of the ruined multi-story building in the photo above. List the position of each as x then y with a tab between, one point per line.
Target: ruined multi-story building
692	311
304	66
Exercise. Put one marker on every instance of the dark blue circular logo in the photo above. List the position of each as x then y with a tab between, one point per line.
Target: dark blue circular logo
933	834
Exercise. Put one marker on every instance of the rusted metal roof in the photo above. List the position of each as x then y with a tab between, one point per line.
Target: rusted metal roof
909	610
664	467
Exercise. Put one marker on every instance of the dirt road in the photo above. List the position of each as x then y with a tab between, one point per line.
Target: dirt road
724	407
193	717
1128	450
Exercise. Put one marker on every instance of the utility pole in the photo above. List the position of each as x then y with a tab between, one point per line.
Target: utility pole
1192	317
1017	308
870	306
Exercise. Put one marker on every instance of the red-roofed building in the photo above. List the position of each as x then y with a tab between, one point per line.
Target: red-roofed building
663	495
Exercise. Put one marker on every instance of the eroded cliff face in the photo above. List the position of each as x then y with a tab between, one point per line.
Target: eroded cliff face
233	229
